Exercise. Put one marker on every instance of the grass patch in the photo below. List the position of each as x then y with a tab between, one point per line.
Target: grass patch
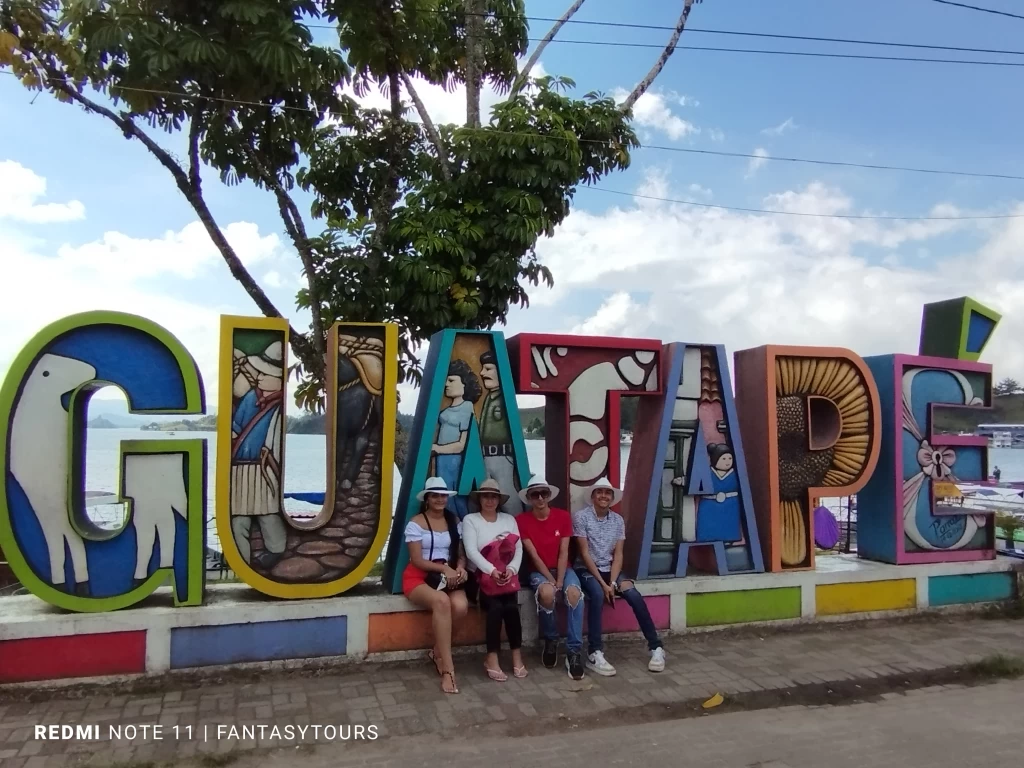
998	666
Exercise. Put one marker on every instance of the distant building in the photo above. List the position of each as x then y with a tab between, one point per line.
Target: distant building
1002	435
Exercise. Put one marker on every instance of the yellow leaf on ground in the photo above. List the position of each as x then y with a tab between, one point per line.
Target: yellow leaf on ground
714	701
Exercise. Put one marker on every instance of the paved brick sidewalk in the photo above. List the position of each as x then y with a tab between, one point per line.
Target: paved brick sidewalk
404	700
933	728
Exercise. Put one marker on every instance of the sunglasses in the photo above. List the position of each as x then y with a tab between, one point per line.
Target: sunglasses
543	494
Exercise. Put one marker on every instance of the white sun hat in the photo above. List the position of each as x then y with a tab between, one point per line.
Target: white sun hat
536	482
435	485
604	484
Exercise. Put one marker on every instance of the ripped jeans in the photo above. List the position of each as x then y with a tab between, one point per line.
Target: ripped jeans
573	615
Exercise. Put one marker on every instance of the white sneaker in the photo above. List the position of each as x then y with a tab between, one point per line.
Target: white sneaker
597	663
657	663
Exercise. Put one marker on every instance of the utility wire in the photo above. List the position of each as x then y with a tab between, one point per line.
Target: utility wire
979	8
681	149
767	52
767	35
659	147
861	217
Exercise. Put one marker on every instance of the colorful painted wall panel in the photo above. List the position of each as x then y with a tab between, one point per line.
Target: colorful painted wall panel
69	656
257	641
865	597
53	546
693	508
740	607
962	588
896	516
283	554
811	416
466	429
583	378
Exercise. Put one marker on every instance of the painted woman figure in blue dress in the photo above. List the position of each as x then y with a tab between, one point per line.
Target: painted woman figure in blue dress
463	388
718	516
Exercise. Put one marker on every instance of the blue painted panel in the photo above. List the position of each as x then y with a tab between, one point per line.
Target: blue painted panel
979	328
258	641
971	588
876	501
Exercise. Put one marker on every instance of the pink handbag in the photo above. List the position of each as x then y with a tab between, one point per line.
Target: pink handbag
499	553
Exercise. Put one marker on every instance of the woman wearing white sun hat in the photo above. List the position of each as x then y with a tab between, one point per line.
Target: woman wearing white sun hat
600	533
436	574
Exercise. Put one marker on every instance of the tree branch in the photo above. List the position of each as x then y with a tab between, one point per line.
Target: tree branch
644	84
194	128
296	229
428	125
535	56
300	344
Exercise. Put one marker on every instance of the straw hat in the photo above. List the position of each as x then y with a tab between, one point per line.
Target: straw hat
490	485
604	484
536	482
271	361
435	485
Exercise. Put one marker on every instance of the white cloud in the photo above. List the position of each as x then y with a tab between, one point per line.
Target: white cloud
696	190
131	275
783	127
442	106
744	280
688	101
759	159
652	110
21	188
273	279
186	253
716	135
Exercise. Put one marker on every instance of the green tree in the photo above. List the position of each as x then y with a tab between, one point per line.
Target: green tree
1006	387
426	225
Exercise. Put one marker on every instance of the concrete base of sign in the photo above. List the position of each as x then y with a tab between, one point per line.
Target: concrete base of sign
238	626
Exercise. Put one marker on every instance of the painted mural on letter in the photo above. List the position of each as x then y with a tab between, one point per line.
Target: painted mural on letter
582	379
466	430
697	515
336	546
51	543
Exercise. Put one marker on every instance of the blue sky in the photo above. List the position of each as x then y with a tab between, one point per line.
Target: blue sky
117	234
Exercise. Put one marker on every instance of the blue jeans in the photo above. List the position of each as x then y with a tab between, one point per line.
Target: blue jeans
574	616
595	595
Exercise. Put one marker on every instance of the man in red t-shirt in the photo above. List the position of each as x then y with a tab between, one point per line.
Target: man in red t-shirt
546	532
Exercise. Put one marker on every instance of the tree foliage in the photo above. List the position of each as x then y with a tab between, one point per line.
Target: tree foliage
1007	386
430	226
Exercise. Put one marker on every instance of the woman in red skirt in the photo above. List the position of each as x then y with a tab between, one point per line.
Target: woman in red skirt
435	577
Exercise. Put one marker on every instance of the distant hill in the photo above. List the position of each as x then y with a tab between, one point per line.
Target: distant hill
1008	409
101	423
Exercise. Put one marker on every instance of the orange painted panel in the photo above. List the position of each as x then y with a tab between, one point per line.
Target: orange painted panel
411	630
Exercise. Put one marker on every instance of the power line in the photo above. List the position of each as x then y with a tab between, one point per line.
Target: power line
767	35
659	147
767	52
776	36
979	8
861	217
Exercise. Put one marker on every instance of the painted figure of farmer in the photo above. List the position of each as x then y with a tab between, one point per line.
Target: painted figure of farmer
496	437
718	515
256	472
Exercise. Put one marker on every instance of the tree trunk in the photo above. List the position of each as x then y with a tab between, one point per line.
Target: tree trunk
532	61
474	33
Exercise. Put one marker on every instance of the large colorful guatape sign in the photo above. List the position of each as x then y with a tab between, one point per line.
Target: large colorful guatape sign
717	482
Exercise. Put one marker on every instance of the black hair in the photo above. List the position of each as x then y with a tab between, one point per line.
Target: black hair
488	358
474	389
717	451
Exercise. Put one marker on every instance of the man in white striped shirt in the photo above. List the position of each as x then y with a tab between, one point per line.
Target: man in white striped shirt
600	533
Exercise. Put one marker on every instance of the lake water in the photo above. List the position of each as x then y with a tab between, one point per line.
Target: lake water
306	467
